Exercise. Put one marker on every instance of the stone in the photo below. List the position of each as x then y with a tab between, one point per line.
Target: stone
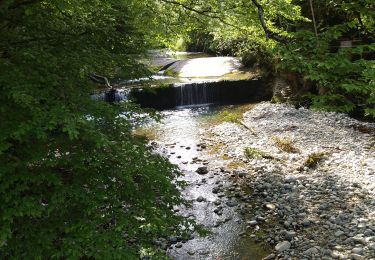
270	206
339	233
356	257
290	179
216	190
282	246
231	203
311	251
202	170
357	250
252	222
201	199
269	257
289	235
306	222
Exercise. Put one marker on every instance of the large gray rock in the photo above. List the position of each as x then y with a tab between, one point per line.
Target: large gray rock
282	246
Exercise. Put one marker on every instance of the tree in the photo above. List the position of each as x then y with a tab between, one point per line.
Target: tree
344	77
74	181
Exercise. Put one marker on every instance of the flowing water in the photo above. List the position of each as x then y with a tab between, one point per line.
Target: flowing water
181	136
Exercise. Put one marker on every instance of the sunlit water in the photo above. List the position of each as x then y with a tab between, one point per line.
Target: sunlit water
179	135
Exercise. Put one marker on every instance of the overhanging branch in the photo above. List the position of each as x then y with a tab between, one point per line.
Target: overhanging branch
207	13
269	33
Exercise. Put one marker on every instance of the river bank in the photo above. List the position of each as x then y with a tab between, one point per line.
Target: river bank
309	177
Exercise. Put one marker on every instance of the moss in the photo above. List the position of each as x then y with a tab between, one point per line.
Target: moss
313	159
285	144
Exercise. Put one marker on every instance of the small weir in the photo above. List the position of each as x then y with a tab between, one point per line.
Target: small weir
218	93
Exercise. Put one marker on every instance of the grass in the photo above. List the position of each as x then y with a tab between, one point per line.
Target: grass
232	117
313	159
252	153
234	114
285	144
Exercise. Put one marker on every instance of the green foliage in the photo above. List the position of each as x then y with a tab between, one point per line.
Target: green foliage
232	117
74	181
345	79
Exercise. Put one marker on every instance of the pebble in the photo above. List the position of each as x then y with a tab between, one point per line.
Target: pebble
339	233
231	203
270	257
202	170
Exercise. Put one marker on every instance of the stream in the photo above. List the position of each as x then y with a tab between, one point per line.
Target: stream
182	136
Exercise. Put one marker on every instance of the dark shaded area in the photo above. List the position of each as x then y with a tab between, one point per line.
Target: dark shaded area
220	93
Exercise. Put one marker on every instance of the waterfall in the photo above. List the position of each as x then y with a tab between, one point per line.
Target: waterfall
194	94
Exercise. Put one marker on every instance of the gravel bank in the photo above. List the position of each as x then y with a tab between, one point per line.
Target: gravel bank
314	203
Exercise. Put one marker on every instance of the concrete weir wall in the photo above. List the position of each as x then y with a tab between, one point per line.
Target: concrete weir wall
220	93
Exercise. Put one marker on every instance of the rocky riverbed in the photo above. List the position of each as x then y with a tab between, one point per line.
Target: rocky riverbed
307	180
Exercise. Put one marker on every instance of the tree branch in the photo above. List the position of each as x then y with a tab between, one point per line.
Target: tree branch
206	12
100	79
269	33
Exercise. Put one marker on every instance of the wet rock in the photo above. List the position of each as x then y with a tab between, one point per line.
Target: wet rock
216	190
282	246
202	170
231	203
201	199
217	202
204	252
218	211
173	240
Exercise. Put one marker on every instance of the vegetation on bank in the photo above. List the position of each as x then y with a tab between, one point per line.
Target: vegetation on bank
325	49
